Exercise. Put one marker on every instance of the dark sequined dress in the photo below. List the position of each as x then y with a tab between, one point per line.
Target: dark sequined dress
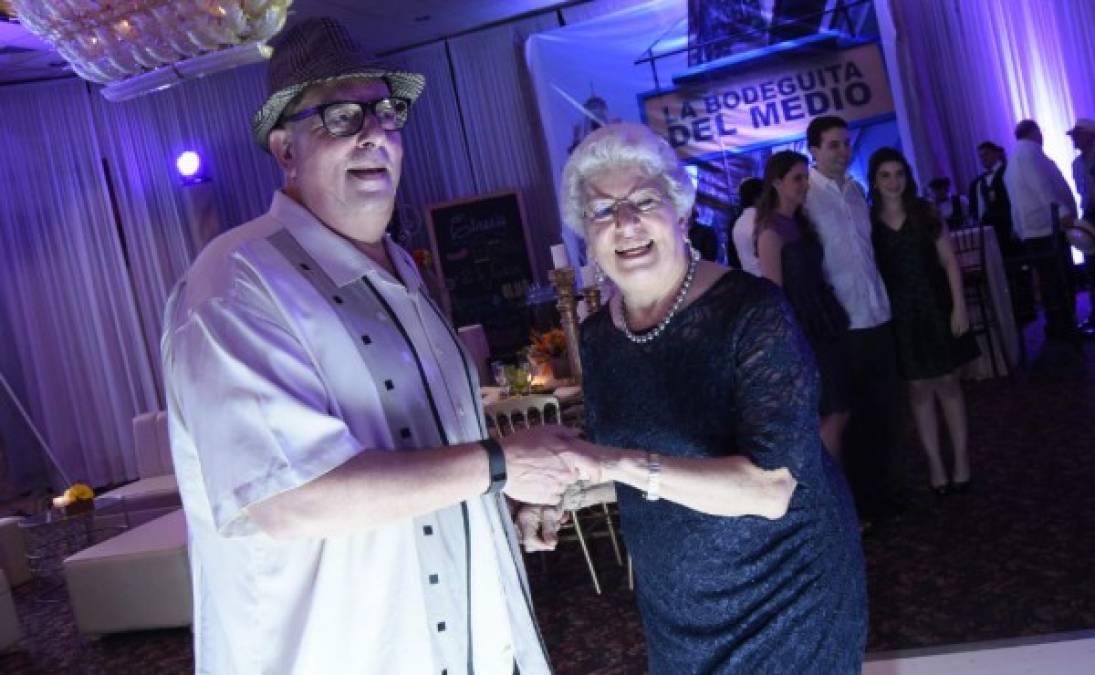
731	375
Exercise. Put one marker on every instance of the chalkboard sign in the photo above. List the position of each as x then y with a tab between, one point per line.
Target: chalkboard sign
481	254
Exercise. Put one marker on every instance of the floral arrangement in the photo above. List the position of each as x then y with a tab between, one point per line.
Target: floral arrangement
550	344
422	258
79	497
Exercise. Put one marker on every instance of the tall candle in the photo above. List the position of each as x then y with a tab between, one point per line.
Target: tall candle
588	278
559	256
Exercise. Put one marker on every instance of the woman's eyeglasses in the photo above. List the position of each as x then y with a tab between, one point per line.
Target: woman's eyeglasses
606	211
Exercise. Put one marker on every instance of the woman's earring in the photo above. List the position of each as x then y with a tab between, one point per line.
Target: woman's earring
598	274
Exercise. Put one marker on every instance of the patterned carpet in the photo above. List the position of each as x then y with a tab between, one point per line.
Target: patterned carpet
1012	558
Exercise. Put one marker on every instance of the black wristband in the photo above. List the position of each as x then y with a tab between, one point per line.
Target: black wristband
497	460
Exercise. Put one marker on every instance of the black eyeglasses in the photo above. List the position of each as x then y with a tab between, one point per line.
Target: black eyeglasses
345	118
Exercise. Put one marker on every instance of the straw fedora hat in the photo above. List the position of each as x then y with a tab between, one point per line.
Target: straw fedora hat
316	51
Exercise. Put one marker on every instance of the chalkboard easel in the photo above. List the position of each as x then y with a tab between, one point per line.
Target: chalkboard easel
482	258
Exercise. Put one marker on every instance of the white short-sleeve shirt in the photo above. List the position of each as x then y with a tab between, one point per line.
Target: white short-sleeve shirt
287	351
1034	183
745	242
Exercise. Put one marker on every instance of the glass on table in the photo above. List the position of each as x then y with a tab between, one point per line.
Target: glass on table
519	378
498	371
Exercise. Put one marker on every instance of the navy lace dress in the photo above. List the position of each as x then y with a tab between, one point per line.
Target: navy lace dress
731	375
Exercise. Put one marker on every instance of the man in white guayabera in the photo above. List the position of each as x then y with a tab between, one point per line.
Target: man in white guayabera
345	515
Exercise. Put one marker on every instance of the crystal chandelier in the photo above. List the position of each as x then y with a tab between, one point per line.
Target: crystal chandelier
141	45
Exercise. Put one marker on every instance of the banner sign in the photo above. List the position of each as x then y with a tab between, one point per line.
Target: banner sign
743	109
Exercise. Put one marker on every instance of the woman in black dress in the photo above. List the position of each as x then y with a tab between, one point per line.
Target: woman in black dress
924	282
702	396
790	255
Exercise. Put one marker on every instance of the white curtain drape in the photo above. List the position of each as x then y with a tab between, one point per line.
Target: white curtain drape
598	8
503	126
142	138
64	292
971	69
436	165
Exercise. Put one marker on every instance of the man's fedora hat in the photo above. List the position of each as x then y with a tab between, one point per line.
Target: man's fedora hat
1083	124
316	51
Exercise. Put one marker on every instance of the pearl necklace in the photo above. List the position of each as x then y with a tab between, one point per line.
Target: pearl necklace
657	330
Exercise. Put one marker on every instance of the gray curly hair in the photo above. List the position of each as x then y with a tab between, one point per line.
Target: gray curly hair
615	146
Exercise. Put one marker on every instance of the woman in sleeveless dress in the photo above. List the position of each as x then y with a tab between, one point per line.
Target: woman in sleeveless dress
790	255
924	282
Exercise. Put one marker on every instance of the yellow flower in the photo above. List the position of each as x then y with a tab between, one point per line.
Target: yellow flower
79	491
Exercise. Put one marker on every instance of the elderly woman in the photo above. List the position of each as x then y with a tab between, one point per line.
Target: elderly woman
744	540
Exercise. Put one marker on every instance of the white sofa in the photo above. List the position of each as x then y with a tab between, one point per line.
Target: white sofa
13	551
156	492
137	580
11	631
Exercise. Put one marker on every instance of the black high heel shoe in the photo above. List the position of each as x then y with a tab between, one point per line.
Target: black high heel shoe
943	490
964	487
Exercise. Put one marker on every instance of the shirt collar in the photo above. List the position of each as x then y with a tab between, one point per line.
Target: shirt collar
825	182
343	262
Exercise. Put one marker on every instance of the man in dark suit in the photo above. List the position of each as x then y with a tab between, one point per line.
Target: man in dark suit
990	205
988	197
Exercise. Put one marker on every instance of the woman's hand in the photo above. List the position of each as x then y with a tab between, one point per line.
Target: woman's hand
539	526
589	460
960	320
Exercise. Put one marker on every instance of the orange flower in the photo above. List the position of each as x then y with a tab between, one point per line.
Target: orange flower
421	257
551	343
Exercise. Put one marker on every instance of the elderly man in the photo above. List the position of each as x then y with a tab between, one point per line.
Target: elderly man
1083	175
326	427
1083	167
1034	183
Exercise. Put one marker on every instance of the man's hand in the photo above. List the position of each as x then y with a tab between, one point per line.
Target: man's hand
539	527
535	470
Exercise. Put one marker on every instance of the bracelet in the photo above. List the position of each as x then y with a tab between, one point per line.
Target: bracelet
653	477
497	463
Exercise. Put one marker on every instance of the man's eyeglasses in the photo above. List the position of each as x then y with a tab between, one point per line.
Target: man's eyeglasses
606	211
345	118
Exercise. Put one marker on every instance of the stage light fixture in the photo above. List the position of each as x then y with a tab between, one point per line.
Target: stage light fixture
190	167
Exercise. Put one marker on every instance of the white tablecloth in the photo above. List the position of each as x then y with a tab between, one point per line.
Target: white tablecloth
1005	339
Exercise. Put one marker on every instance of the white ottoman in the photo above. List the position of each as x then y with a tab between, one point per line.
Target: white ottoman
13	551
135	581
140	502
11	631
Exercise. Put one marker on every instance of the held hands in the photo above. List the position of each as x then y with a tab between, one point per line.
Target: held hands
538	527
536	472
538	521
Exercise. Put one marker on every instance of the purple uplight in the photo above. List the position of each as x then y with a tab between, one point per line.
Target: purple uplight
189	163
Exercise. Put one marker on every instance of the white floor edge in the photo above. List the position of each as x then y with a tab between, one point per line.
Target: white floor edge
1054	654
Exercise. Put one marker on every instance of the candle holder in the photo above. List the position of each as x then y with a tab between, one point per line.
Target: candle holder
563	280
592	295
